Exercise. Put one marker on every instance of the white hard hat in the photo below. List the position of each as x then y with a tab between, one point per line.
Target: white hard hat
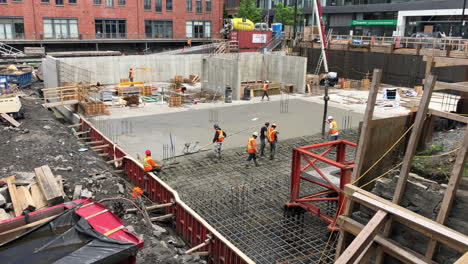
255	134
330	117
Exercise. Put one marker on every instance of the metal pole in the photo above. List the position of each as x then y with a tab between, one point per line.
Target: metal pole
295	19
325	107
462	19
322	37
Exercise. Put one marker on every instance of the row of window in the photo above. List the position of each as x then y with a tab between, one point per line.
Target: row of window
67	28
146	4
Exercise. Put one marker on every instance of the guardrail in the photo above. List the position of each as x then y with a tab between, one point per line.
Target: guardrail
191	226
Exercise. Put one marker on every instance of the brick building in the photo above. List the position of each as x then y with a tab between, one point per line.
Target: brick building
101	21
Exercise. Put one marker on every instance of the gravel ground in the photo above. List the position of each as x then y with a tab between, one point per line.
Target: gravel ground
43	140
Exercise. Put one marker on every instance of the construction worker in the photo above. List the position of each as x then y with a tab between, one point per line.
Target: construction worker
333	132
263	138
131	74
252	149
266	86
218	139
272	139
149	164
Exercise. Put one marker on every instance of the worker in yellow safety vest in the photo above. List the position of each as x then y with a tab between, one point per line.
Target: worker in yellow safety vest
149	164
131	74
265	88
272	139
252	149
333	132
218	139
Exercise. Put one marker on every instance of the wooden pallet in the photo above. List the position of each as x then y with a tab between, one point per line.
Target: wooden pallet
92	108
175	101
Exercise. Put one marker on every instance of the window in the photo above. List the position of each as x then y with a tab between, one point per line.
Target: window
45	1
147	4
60	28
58	2
158	6
97	2
3	1
198	7
198	29
109	3
72	1
11	28
121	2
168	5
158	28
188	5
208	5
110	28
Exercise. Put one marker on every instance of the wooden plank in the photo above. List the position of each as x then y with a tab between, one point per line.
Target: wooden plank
463	259
60	103
10	119
14	196
99	147
115	160
361	149
410	152
447	61
26	199
365	237
60	184
451	116
49	186
38	196
75	125
451	191
81	133
29	225
428	227
460	86
77	191
11	178
390	247
95	142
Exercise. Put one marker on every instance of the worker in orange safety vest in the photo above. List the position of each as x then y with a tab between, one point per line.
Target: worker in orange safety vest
149	164
131	74
252	150
218	139
333	132
265	88
272	139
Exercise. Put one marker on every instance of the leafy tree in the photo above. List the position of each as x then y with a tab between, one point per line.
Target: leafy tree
249	10
285	14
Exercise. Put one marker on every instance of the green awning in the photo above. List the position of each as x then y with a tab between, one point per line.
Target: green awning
385	22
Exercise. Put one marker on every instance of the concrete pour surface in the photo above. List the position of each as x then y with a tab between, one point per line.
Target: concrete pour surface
299	118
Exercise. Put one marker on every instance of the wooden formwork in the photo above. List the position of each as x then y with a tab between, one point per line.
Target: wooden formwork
97	108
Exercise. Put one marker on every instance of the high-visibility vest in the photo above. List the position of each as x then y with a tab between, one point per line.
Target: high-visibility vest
131	74
251	144
146	163
334	128
271	134
220	135
265	87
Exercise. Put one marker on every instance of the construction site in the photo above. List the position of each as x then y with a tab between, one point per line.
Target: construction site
366	146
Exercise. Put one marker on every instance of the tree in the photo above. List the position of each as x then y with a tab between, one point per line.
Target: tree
285	14
248	9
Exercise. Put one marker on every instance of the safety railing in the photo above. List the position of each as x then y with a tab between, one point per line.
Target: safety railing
110	36
191	226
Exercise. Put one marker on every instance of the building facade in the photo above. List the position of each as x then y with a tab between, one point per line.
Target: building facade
113	20
395	17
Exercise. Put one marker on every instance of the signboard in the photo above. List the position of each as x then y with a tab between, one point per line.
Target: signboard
385	22
259	38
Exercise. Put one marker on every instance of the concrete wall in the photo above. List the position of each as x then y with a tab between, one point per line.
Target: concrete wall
112	69
219	72
49	71
287	69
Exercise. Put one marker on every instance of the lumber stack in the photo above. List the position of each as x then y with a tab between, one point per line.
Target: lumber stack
146	90
175	101
97	108
29	195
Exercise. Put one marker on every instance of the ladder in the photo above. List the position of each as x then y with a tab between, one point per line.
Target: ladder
319	64
9	50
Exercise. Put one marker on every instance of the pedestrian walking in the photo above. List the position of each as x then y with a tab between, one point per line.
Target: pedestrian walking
263	138
218	139
252	150
273	140
266	86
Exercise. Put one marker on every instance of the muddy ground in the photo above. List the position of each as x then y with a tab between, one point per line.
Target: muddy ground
42	139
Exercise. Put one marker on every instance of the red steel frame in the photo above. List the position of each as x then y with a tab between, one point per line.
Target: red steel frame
307	201
191	226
